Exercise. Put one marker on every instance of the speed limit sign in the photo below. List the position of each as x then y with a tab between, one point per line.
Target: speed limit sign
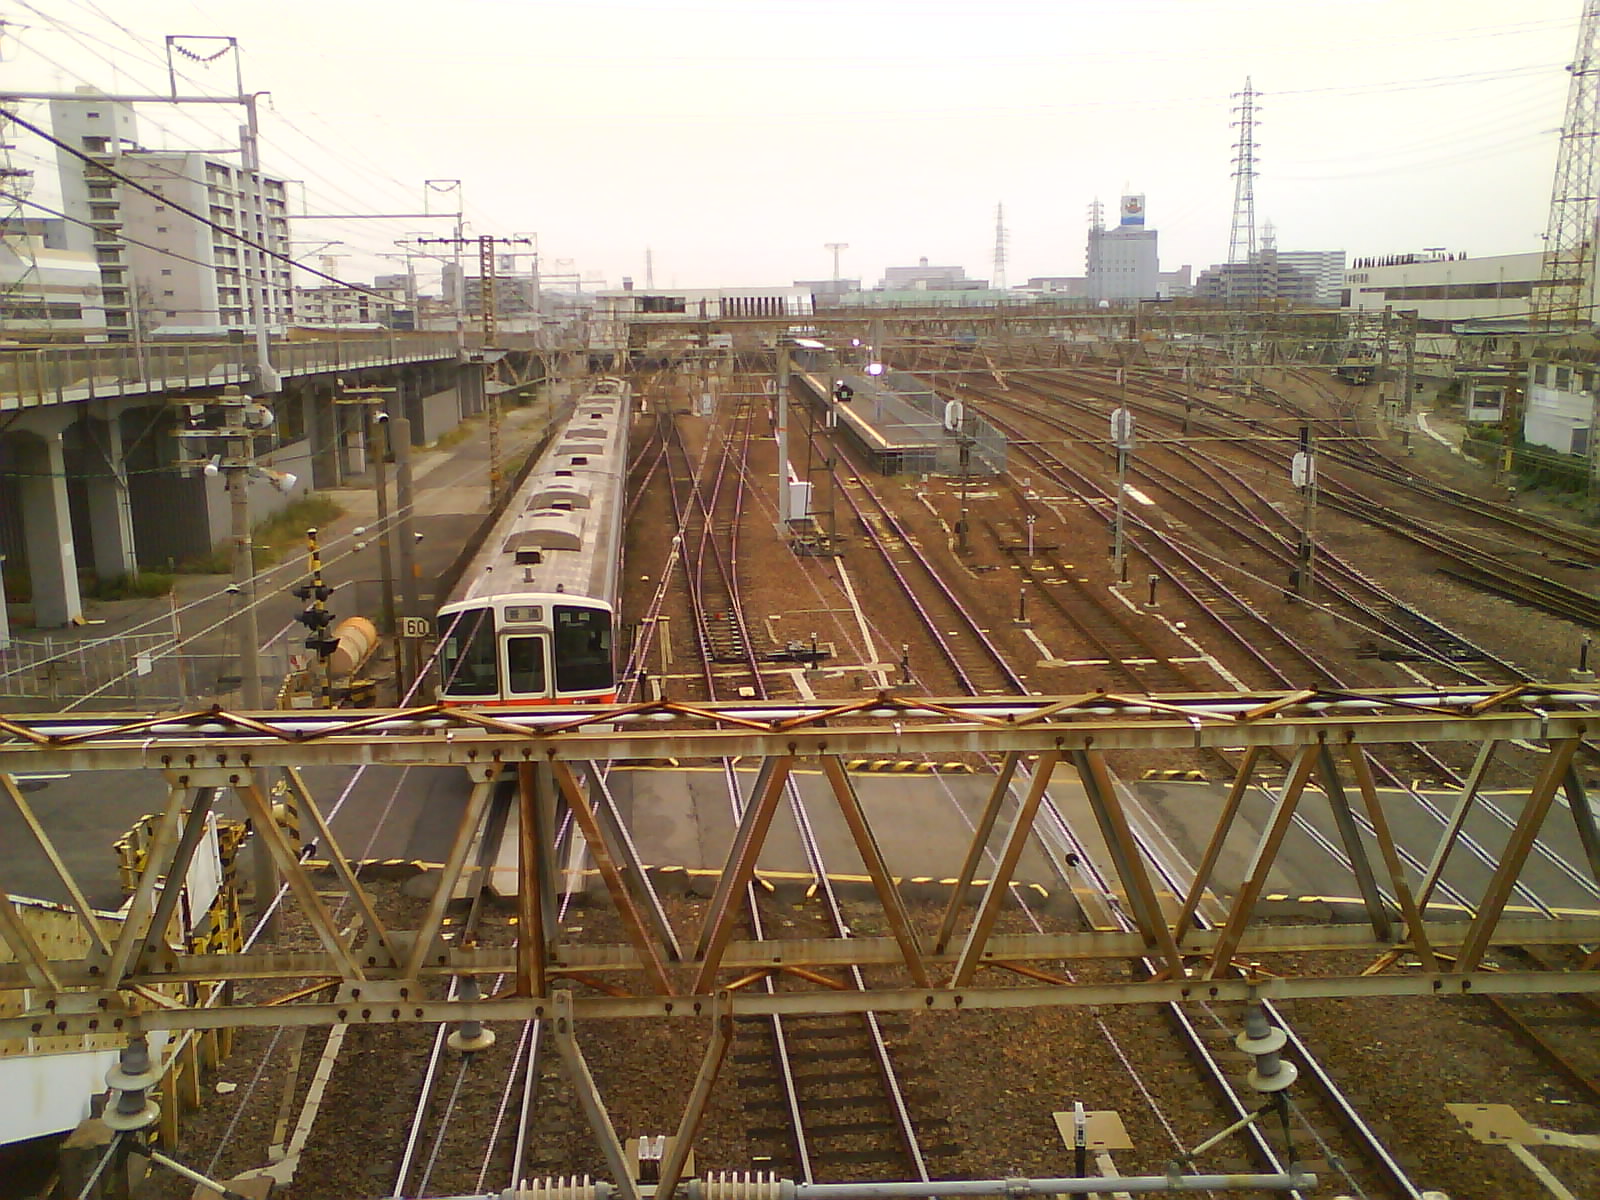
416	627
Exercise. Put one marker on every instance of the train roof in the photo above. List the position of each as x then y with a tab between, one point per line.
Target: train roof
559	533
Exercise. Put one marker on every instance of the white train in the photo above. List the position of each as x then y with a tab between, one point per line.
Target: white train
533	617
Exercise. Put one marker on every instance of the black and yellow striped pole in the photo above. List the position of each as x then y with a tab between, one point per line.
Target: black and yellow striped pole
317	618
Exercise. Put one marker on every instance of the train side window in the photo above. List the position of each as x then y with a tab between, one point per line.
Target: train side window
467	655
582	649
525	666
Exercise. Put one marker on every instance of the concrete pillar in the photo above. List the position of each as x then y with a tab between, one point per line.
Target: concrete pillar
47	529
110	510
469	389
322	430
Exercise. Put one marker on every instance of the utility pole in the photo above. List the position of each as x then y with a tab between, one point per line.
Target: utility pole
241	419
1303	474
375	423
998	282
1566	299
1242	237
1122	439
405	510
785	515
961	522
487	288
1408	377
1383	364
430	186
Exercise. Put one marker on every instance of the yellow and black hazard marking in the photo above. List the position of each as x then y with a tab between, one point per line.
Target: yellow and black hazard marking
1176	774
286	812
907	766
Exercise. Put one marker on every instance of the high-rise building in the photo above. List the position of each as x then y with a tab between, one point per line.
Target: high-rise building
1122	261
182	273
1265	277
1325	267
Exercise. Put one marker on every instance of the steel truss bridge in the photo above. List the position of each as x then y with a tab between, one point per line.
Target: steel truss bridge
379	974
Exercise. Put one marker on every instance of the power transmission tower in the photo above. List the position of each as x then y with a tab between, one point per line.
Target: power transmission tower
1569	237
1242	239
999	280
1093	250
836	247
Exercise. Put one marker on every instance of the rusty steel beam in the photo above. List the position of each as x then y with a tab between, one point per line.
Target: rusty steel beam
1219	836
894	908
1261	862
448	735
1005	867
1416	929
975	848
1515	853
655	973
120	1015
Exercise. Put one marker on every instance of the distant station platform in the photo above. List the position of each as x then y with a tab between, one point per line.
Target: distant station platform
901	424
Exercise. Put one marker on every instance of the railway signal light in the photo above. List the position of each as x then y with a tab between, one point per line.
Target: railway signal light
843	392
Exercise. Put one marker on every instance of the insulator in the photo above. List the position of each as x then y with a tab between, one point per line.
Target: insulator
738	1185
1263	1040
560	1187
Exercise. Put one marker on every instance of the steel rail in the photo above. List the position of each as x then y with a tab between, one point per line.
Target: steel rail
1212	1071
1279	549
498	808
1048	806
694	579
1476	848
995	656
1558	862
814	857
1371	462
1179	881
1485	570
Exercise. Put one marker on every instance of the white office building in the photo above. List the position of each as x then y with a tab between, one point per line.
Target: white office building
48	295
1325	267
1122	262
183	275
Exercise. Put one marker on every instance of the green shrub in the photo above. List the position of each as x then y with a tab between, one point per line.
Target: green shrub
216	561
281	533
135	585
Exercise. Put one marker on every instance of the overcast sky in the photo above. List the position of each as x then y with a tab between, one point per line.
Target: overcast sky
735	137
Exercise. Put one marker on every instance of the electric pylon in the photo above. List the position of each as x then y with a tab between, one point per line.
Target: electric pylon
1242	239
999	280
1569	253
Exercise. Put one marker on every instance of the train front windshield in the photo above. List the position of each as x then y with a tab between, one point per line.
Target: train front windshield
583	649
467	654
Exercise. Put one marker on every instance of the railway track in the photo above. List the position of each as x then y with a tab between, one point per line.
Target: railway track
941	613
1070	856
830	1086
1486	567
1160	549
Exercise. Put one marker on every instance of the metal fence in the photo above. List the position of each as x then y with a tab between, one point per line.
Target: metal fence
988	453
136	670
44	375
